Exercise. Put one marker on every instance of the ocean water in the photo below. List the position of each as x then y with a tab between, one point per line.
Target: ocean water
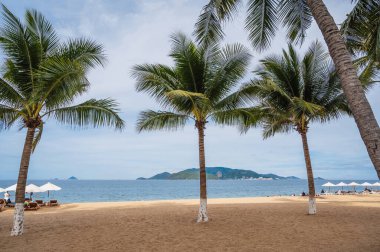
137	190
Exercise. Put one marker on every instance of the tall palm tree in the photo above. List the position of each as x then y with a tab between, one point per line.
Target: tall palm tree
197	88
263	19
361	29
41	79
291	93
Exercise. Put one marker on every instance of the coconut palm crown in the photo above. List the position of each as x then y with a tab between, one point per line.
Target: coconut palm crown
197	88
291	93
361	30
41	77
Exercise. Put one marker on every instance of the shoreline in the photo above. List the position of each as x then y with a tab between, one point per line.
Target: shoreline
370	200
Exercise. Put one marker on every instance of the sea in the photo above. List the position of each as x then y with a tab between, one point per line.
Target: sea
138	190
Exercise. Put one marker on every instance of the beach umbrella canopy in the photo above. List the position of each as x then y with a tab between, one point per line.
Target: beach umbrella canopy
353	184
50	187
376	184
11	188
366	184
32	189
341	184
328	184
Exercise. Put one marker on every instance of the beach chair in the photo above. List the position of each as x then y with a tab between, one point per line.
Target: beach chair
10	205
40	203
53	203
3	203
31	206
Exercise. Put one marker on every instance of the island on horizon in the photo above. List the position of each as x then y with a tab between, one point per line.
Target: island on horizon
223	173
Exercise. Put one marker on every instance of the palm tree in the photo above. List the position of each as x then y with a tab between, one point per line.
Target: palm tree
41	78
361	29
293	92
263	19
197	88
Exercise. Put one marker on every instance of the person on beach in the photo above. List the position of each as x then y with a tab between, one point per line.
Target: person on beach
7	197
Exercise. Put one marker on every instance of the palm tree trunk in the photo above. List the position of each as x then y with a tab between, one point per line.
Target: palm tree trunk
310	176
352	88
202	215
18	221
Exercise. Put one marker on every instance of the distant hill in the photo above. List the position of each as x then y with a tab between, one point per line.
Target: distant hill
73	178
319	178
216	173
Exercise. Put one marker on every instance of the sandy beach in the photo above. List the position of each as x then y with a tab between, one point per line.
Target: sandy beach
343	223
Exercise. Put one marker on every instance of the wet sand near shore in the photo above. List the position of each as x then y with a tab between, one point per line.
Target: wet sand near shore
343	223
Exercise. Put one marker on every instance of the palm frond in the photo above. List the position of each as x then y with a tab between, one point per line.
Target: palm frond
95	113
42	32
302	107
189	102
15	41
156	80
60	81
361	30
8	116
244	118
297	17
189	62
86	52
9	93
261	22
37	136
161	120
315	69
230	68
208	28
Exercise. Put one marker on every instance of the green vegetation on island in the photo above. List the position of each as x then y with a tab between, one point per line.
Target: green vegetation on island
216	173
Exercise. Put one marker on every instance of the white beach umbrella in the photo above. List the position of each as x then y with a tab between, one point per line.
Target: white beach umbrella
354	184
11	188
32	188
50	187
328	184
341	184
366	184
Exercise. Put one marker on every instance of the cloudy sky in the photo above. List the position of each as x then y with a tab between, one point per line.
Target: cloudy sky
137	31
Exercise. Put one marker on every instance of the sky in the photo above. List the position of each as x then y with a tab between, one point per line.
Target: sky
136	32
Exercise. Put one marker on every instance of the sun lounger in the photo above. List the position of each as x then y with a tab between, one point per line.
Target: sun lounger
53	203
31	206
3	203
40	203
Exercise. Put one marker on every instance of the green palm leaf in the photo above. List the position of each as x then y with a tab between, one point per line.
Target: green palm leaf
161	120
208	28
95	113
297	17
261	22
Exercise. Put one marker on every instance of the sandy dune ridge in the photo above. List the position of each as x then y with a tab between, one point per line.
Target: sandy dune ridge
343	223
